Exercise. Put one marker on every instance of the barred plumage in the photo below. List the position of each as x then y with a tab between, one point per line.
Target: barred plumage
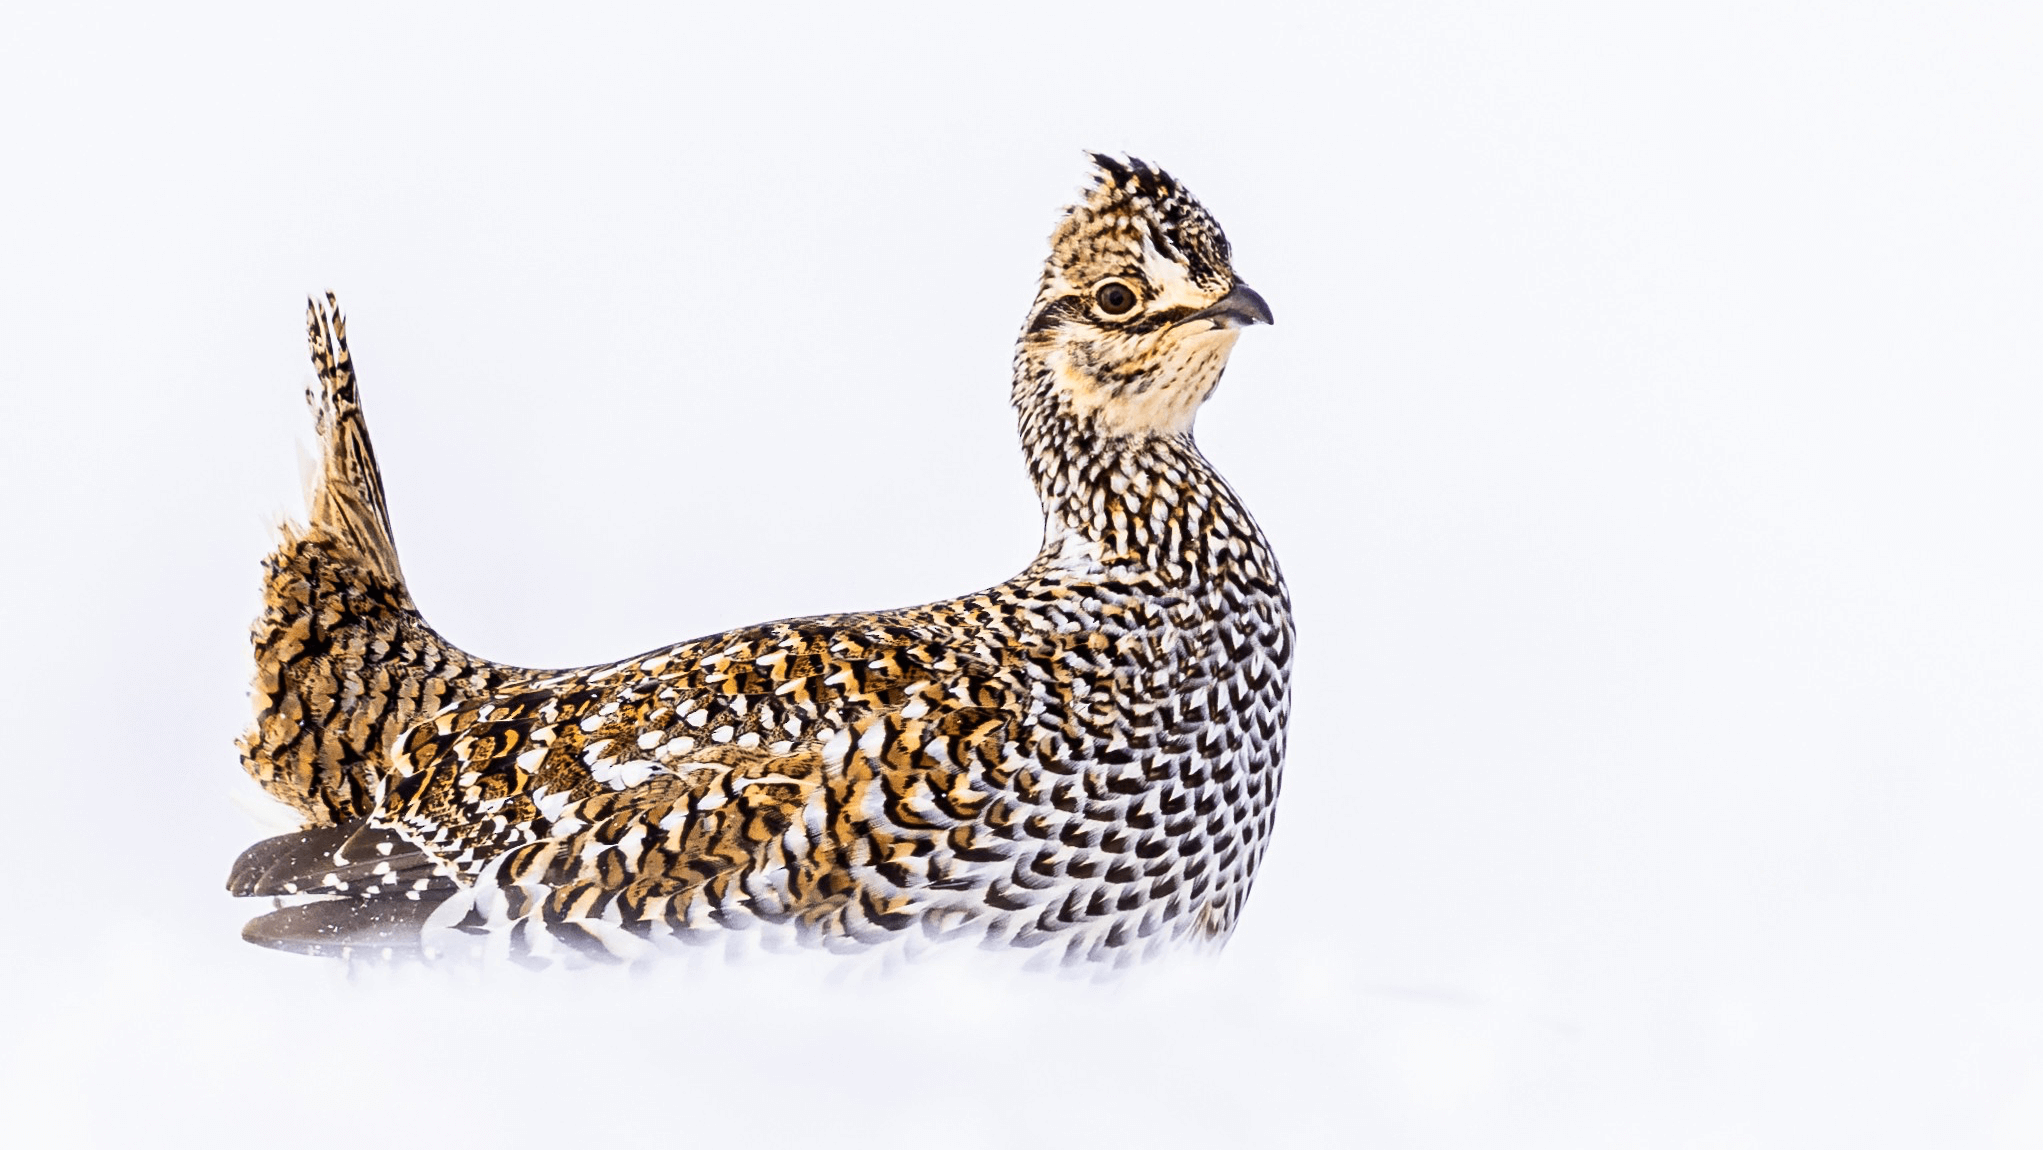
1084	758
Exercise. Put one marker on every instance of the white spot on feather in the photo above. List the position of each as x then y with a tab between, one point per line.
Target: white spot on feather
838	747
550	803
624	776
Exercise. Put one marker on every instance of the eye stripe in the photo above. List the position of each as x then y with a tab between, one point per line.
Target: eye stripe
1158	320
1136	323
1056	313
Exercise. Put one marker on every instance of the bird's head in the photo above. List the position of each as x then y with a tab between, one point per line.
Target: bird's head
1138	309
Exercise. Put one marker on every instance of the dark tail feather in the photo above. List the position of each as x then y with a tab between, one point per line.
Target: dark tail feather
355	859
337	927
284	854
378	890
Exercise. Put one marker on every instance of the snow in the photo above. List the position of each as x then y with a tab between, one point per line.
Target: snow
1649	433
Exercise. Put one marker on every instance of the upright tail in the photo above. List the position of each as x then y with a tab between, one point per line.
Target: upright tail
346	500
344	661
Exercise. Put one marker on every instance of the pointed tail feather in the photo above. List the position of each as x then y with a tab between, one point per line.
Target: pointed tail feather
347	501
344	662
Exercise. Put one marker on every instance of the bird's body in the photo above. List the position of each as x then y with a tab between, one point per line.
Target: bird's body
1083	759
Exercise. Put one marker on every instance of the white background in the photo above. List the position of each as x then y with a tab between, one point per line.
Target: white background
1649	433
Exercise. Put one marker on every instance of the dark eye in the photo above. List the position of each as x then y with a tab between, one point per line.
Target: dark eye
1114	298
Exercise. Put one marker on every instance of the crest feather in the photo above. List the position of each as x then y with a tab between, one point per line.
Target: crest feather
1129	195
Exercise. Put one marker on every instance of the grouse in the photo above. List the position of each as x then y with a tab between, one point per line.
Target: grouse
1083	760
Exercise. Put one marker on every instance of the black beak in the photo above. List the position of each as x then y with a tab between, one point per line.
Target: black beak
1238	308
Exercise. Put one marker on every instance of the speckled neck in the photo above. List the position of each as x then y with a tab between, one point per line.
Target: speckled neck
1147	502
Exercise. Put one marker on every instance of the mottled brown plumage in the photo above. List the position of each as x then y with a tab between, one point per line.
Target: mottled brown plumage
1084	758
344	662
